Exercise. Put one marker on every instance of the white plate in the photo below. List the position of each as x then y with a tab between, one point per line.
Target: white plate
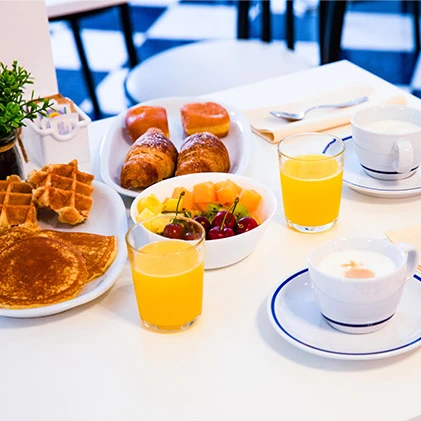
107	217
357	179
115	143
294	314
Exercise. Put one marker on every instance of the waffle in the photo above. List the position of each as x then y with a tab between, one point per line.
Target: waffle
16	205
63	189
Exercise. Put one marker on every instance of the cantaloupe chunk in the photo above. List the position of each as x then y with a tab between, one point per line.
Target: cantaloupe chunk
227	191
251	199
201	206
204	192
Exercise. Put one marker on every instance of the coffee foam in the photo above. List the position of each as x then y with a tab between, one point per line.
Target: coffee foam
356	264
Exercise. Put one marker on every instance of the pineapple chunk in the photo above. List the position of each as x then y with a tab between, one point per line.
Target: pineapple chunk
170	204
156	225
152	203
144	215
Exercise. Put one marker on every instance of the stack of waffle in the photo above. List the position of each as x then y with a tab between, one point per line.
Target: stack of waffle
16	205
63	189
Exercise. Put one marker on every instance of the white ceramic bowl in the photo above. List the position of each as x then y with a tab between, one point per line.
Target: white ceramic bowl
224	251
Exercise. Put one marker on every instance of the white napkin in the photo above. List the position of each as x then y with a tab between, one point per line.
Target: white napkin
274	129
410	235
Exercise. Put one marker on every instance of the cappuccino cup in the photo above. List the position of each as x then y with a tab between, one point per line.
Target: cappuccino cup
358	282
387	140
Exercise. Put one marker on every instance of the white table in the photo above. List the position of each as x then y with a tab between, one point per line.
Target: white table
96	362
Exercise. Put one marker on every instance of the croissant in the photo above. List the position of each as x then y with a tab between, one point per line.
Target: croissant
150	159
202	152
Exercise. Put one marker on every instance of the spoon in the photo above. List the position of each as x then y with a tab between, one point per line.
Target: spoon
301	115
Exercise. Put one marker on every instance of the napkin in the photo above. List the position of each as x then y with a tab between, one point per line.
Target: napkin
410	235
274	129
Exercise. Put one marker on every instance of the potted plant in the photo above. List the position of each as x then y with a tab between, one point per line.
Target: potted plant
14	109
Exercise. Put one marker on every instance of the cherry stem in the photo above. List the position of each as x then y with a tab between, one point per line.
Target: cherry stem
178	204
233	206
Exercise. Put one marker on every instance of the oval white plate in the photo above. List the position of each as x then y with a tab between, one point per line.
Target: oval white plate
115	143
107	217
357	179
294	314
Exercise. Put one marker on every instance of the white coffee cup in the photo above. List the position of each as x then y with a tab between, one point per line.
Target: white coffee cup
387	140
356	305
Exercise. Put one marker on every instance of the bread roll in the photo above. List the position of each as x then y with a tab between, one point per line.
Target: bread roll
205	117
150	159
202	152
140	118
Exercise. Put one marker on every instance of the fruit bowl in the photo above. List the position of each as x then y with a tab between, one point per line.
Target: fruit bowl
222	251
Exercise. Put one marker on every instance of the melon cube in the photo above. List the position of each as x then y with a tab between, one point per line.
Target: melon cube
204	192
187	198
251	199
227	191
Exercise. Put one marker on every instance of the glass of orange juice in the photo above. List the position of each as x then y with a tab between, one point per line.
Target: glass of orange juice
311	166
167	273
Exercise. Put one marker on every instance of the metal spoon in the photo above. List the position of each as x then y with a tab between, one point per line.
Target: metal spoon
301	115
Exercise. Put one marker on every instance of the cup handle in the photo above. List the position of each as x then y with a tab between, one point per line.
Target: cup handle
405	158
412	258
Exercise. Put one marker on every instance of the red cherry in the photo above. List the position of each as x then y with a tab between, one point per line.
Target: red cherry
245	224
174	230
191	236
216	233
203	221
229	220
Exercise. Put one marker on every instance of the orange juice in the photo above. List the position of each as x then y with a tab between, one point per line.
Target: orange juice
168	281
311	189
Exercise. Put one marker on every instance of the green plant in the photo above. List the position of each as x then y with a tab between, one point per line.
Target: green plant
14	108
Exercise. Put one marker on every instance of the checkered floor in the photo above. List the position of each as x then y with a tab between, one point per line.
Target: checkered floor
378	36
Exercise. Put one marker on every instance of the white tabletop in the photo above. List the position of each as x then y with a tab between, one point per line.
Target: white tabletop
96	362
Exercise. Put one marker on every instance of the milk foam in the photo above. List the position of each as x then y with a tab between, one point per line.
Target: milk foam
394	127
352	263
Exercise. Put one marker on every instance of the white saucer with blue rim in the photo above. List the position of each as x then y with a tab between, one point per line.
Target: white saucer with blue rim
294	314
357	179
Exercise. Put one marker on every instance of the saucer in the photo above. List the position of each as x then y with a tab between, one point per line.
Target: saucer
357	179
294	314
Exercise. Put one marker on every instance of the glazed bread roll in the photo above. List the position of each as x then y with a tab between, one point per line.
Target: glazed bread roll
150	159
202	152
205	117
140	118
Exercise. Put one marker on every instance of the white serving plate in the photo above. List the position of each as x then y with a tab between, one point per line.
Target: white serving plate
295	315
107	217
357	179
116	143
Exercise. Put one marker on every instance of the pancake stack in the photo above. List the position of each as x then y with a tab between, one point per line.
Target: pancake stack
49	267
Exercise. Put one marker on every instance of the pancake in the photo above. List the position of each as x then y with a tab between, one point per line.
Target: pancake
13	235
38	271
99	251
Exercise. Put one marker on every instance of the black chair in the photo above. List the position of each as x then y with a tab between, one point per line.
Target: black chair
331	31
72	12
243	23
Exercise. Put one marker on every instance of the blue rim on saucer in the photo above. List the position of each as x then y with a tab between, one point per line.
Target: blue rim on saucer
301	328
357	179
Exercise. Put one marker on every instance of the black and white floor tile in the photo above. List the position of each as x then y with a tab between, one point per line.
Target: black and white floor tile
378	36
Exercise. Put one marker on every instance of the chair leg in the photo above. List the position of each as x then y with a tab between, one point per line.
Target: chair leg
322	28
289	24
85	66
128	34
243	30
333	30
416	16
266	21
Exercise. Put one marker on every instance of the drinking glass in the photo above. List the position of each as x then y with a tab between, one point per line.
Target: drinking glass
311	167
167	273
